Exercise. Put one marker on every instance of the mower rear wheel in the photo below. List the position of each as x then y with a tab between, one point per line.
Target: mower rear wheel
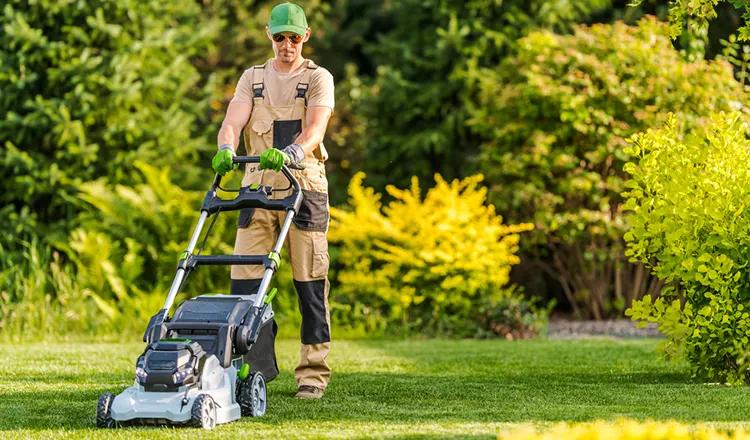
203	413
104	411
253	396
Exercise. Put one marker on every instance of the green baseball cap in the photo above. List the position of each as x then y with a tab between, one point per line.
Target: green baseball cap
287	17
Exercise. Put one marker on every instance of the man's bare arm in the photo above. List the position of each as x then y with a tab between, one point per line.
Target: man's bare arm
317	122
237	116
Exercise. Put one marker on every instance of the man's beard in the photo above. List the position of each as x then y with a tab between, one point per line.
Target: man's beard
287	56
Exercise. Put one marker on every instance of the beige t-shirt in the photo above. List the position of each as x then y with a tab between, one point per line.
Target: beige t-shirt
281	88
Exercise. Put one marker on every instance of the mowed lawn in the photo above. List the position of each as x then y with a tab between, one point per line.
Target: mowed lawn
386	389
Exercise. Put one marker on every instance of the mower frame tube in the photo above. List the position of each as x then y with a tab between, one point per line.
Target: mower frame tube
177	283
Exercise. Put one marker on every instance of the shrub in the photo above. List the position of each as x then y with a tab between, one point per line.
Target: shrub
697	13
691	225
423	264
429	57
88	89
557	116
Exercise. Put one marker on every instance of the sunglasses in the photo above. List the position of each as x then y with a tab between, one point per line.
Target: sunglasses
295	39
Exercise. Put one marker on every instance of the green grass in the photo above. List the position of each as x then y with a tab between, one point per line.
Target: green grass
396	389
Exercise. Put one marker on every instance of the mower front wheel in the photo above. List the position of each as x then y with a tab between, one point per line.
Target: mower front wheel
104	411
203	413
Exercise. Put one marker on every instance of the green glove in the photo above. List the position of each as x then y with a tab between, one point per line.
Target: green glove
273	159
222	161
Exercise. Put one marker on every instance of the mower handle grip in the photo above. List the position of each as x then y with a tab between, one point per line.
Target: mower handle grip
256	159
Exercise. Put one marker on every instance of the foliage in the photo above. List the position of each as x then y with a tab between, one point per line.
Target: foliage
691	218
738	55
624	429
88	89
697	13
557	115
26	306
151	222
424	264
429	60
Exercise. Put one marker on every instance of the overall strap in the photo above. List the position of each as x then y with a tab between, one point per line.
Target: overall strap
258	86
304	84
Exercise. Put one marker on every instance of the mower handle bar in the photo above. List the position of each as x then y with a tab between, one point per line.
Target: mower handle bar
293	200
256	159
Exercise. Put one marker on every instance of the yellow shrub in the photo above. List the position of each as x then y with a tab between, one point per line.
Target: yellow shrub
624	430
425	263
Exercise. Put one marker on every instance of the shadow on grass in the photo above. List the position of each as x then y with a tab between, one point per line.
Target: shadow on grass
415	398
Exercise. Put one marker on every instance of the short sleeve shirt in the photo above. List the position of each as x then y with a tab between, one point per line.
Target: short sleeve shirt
281	88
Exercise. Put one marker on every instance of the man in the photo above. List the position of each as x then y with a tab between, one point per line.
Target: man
284	106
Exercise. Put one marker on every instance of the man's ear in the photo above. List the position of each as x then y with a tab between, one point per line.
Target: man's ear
307	35
268	33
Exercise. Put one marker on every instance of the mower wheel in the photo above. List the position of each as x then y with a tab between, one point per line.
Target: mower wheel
253	397
203	413
104	411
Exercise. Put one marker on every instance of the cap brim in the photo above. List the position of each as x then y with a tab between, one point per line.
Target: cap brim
287	28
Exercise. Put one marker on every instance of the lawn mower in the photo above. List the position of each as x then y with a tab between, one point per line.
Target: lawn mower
209	362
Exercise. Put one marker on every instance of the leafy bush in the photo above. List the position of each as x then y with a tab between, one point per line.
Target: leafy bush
424	265
89	89
691	224
558	114
697	13
429	56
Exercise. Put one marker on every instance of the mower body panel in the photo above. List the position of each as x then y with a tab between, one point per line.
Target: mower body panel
135	404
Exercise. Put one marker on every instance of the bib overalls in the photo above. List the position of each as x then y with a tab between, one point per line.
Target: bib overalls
307	245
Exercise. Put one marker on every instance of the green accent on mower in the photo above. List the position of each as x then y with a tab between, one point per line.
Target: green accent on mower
273	256
244	371
270	296
184	255
254	186
185	340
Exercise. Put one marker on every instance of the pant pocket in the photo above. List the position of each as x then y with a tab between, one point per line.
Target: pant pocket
246	216
313	213
321	259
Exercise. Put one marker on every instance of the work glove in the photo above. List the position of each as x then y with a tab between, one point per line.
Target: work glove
273	159
222	161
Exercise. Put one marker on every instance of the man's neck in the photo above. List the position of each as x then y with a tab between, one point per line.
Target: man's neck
288	67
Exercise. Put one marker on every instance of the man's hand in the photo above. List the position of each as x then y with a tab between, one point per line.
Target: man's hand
273	159
222	161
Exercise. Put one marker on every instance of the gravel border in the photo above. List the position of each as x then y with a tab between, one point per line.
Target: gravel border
623	328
